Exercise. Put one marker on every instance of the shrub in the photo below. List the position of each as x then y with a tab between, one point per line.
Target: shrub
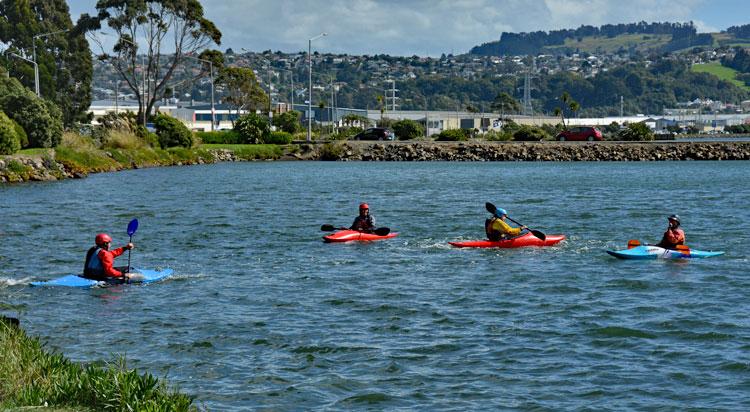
530	134
288	122
279	138
408	129
219	137
9	142
453	135
43	128
494	135
331	151
172	132
20	134
636	132
252	128
345	133
123	140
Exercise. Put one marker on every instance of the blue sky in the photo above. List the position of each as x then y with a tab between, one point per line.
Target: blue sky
432	27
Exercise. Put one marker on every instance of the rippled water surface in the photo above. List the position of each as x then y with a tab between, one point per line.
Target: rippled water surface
261	314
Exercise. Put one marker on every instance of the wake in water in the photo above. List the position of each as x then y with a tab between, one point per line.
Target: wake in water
5	282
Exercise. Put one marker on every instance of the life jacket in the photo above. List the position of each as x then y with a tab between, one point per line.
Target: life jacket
93	266
363	223
492	235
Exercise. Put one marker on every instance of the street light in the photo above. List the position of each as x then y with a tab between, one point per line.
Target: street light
309	101
36	66
211	70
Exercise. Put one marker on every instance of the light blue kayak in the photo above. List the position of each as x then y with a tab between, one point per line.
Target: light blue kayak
76	281
655	252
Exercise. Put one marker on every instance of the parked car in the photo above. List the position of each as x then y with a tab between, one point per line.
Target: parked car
375	133
580	133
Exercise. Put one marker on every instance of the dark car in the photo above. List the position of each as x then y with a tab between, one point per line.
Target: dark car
580	133
375	133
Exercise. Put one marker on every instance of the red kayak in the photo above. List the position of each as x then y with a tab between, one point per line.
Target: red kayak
353	235
526	239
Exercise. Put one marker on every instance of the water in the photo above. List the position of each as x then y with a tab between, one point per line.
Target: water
263	315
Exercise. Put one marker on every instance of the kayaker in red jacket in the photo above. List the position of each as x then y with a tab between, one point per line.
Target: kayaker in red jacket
365	222
99	259
674	236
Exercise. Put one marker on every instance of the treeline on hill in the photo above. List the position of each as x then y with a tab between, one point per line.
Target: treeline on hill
683	35
740	32
644	90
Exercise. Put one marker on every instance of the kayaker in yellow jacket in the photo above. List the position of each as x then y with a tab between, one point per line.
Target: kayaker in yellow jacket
497	229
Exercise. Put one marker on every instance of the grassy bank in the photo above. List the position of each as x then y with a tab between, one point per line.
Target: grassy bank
33	377
81	155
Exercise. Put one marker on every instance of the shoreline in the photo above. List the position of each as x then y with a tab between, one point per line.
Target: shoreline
66	163
32	376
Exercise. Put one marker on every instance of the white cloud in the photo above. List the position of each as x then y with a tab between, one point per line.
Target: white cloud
415	26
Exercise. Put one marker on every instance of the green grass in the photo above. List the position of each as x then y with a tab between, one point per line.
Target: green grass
31	377
722	72
33	152
596	44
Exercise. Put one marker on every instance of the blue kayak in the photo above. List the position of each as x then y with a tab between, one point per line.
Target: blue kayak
76	281
655	252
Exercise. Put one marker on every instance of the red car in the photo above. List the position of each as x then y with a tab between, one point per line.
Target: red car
580	133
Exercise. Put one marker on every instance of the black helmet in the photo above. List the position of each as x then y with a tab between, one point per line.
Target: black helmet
676	218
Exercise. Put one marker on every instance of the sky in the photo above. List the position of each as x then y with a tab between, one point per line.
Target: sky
431	27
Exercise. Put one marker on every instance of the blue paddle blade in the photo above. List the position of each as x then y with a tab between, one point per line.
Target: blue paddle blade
132	227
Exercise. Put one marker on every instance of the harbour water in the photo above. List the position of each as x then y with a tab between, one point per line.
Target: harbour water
261	314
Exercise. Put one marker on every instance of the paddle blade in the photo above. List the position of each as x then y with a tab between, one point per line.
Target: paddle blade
382	231
538	234
490	207
327	228
633	243
132	227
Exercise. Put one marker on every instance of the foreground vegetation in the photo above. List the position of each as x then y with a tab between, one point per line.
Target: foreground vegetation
30	376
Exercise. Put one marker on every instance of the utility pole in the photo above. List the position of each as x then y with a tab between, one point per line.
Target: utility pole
621	106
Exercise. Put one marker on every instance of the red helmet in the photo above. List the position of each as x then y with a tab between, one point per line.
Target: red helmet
102	238
363	206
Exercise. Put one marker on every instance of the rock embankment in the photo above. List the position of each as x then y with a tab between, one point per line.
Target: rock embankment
541	151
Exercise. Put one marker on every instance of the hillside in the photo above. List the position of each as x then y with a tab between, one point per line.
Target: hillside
630	38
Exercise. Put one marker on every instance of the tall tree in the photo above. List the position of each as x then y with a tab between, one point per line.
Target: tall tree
169	31
242	89
64	58
505	103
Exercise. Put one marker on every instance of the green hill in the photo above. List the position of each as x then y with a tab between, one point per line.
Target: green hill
722	72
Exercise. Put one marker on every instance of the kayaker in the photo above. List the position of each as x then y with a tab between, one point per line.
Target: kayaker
99	259
674	236
365	222
497	229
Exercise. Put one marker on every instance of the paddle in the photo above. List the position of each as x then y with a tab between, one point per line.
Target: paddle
381	231
492	209
132	227
633	243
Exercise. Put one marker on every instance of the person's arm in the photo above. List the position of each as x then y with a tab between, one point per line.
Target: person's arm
108	259
506	228
354	225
